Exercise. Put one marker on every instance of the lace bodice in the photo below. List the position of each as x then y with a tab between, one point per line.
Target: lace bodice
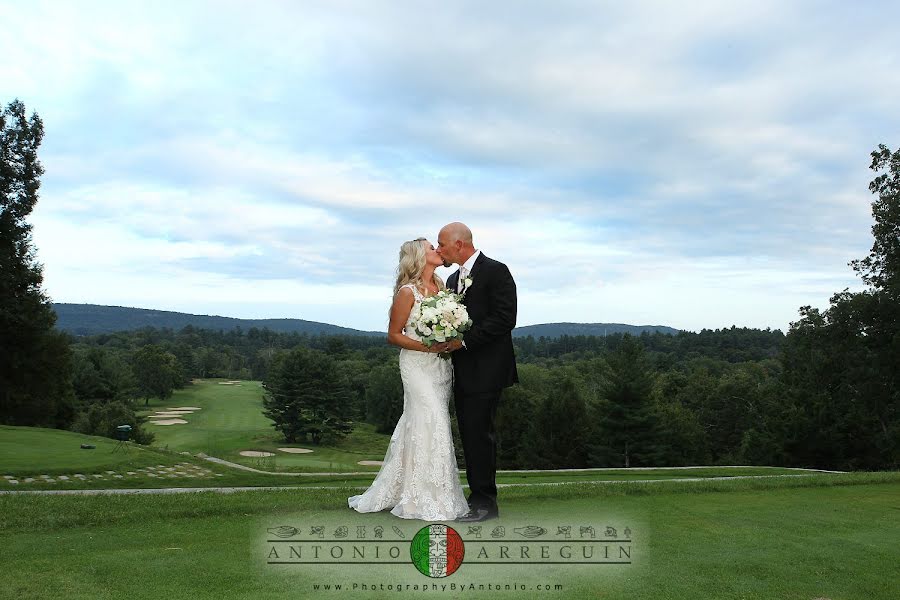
415	311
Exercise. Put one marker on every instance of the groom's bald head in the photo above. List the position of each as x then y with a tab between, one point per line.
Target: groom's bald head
455	243
458	231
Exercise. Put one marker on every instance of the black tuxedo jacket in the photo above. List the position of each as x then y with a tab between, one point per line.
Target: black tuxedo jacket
488	362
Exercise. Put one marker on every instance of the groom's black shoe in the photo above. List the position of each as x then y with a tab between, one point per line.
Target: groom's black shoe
478	514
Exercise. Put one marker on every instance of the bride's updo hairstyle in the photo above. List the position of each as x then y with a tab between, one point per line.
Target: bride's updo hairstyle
412	263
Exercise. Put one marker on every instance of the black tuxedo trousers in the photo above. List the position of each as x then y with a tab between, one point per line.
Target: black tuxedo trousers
475	415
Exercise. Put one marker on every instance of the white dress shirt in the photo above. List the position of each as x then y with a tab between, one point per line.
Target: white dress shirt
466	269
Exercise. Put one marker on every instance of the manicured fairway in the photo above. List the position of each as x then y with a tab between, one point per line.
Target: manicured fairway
230	420
826	536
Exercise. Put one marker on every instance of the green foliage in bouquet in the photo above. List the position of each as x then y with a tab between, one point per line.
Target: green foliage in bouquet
441	318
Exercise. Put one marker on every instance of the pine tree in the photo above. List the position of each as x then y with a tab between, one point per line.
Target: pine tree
560	429
306	395
35	360
630	428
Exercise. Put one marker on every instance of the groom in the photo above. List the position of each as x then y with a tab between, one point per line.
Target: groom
484	362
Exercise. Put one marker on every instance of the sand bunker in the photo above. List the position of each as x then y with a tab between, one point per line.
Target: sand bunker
255	453
170	414
371	463
170	422
296	450
229	383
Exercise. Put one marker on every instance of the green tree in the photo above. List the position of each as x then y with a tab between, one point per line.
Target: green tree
102	419
516	416
307	396
35	360
384	397
630	430
357	372
560	429
880	387
185	359
841	374
101	375
680	431
207	361
881	268
156	371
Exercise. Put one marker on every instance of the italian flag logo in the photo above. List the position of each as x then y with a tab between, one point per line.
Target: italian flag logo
437	550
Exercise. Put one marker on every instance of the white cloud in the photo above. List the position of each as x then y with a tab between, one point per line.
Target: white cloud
691	166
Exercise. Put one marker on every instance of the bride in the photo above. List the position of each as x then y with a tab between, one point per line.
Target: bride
419	478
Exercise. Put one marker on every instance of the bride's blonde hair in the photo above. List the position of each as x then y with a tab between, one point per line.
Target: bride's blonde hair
412	264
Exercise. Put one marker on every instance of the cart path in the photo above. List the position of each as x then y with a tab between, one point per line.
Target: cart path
234	465
229	490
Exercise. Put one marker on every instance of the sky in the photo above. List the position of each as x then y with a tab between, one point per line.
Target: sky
695	165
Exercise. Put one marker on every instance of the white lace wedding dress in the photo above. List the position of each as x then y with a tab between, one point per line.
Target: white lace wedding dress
419	478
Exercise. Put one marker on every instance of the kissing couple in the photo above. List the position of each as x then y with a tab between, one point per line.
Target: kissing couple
419	478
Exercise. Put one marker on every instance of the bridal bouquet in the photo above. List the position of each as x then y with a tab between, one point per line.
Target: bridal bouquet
441	318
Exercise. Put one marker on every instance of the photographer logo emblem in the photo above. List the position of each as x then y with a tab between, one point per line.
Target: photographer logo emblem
437	550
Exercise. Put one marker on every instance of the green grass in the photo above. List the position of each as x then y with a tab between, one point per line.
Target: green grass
230	417
823	536
628	475
231	420
32	451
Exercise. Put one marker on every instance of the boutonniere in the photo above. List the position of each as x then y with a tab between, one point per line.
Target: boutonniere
466	284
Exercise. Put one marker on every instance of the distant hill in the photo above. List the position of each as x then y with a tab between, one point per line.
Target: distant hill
554	330
93	319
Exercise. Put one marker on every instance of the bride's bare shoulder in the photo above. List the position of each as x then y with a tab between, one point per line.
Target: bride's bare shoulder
404	293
